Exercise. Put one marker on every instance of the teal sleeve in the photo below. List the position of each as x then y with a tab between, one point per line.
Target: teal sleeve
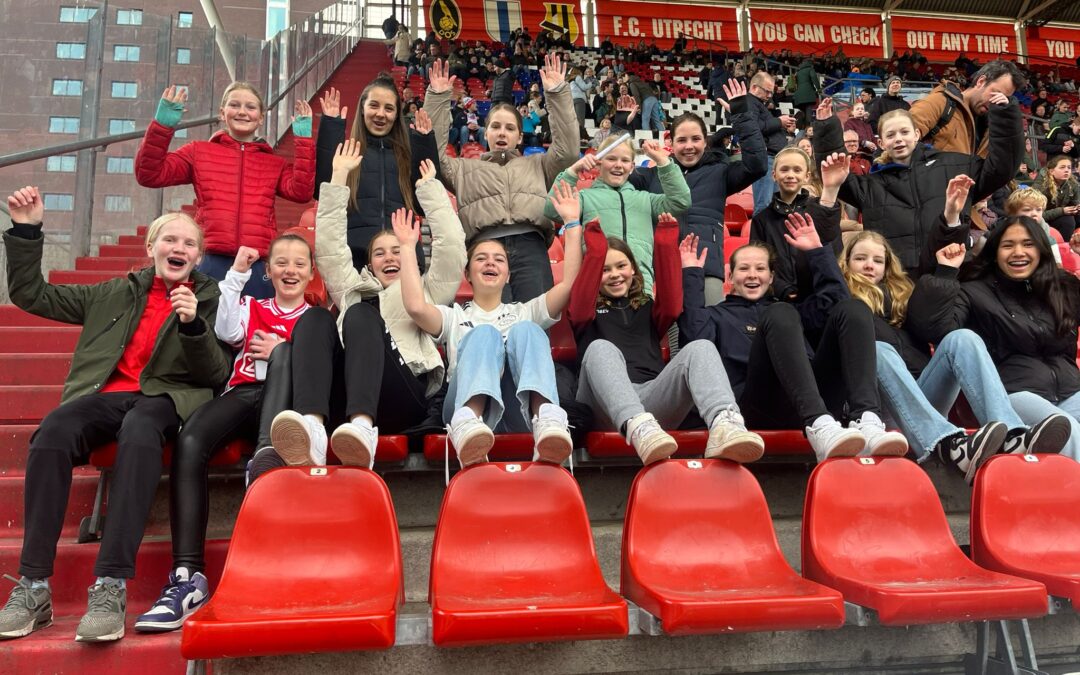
301	126
168	113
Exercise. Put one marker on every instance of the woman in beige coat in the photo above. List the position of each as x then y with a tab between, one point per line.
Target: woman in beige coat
384	366
502	194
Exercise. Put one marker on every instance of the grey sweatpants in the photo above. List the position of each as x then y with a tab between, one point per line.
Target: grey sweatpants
694	378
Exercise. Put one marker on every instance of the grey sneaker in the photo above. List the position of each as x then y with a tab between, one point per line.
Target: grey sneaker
106	610
26	610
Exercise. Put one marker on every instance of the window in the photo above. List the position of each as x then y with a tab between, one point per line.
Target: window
121	126
183	56
63	163
184	19
276	18
117	203
77	14
71	50
129	17
125	90
59	202
119	165
63	125
67	87
125	53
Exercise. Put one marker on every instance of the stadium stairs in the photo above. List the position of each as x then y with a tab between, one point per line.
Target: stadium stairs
300	535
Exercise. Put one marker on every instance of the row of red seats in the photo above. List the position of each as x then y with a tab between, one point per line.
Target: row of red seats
513	558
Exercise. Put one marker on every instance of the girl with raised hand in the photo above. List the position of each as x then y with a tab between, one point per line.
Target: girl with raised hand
260	387
763	345
384	183
903	197
623	210
918	389
499	351
792	170
235	174
1057	182
502	194
711	178
146	359
385	367
1025	309
623	376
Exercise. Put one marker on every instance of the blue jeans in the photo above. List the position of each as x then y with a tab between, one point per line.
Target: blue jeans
650	113
481	370
1033	408
764	188
960	363
215	266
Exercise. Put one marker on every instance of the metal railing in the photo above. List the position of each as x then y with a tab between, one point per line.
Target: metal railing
291	65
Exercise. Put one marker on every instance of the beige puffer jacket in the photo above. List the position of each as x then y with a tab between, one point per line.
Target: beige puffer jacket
491	194
347	286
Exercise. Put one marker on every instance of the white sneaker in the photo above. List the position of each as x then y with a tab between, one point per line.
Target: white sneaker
551	435
830	439
729	439
650	441
472	438
300	440
879	442
354	443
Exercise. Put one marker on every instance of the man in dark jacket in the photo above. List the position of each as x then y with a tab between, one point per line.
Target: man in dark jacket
1064	140
711	179
773	129
502	86
891	100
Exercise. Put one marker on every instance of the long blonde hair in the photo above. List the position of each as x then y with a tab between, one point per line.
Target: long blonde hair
885	157
895	281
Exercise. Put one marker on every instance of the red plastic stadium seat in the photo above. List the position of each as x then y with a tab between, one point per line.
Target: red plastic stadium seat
563	345
744	199
874	530
512	447
514	561
691	443
1025	520
735	213
555	251
699	552
731	244
337	536
391	449
472	150
104	457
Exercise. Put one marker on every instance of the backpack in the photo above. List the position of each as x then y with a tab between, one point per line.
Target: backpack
946	114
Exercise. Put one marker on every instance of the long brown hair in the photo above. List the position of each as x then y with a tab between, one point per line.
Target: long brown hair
1047	185
636	293
398	137
895	281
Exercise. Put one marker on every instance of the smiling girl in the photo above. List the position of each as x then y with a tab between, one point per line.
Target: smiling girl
147	357
236	176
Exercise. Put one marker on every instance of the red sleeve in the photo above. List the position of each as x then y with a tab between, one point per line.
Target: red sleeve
582	307
155	166
667	275
297	181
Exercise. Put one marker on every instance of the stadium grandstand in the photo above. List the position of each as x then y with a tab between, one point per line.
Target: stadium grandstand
418	562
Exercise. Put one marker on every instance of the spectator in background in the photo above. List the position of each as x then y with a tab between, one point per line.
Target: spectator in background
401	42
867	96
1064	139
1062	192
773	129
502	84
860	165
807	87
581	83
857	122
891	100
626	109
1061	114
601	134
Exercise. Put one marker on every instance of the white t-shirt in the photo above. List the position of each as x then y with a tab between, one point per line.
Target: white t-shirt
458	320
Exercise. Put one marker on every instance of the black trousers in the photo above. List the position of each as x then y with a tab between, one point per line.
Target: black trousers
840	378
368	374
1065	225
530	267
140	425
245	411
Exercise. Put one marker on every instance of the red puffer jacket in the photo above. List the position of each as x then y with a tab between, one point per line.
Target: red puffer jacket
235	183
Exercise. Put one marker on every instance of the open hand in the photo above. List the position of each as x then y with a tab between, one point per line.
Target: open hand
956	195
26	206
175	94
824	108
330	102
951	255
406	227
439	78
834	170
245	258
347	157
801	233
302	109
422	122
567	201
733	89
553	73
997	98
427	172
184	303
688	252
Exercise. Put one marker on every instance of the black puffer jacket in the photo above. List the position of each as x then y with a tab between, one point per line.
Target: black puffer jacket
378	193
776	138
732	324
711	180
915	353
1017	326
792	276
905	203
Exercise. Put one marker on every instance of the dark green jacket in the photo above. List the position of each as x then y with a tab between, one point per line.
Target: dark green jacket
185	365
807	84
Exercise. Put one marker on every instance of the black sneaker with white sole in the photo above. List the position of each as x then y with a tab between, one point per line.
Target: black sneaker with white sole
1046	437
968	453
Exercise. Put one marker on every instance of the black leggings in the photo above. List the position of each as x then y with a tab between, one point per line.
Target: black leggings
840	377
241	412
370	371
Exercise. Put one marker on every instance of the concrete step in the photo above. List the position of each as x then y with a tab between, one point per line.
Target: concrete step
132	240
82	276
11	316
120	251
57	339
23	404
23	369
14	441
110	264
80	503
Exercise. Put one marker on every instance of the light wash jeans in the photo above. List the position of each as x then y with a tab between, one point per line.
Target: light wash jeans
764	188
481	369
1033	408
650	113
919	407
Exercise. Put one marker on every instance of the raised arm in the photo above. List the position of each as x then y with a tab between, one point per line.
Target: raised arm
437	105
695	322
422	312
565	134
443	276
1005	151
582	308
667	272
232	314
676	193
755	158
567	202
297	181
155	166
331	134
422	144
938	305
568	177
